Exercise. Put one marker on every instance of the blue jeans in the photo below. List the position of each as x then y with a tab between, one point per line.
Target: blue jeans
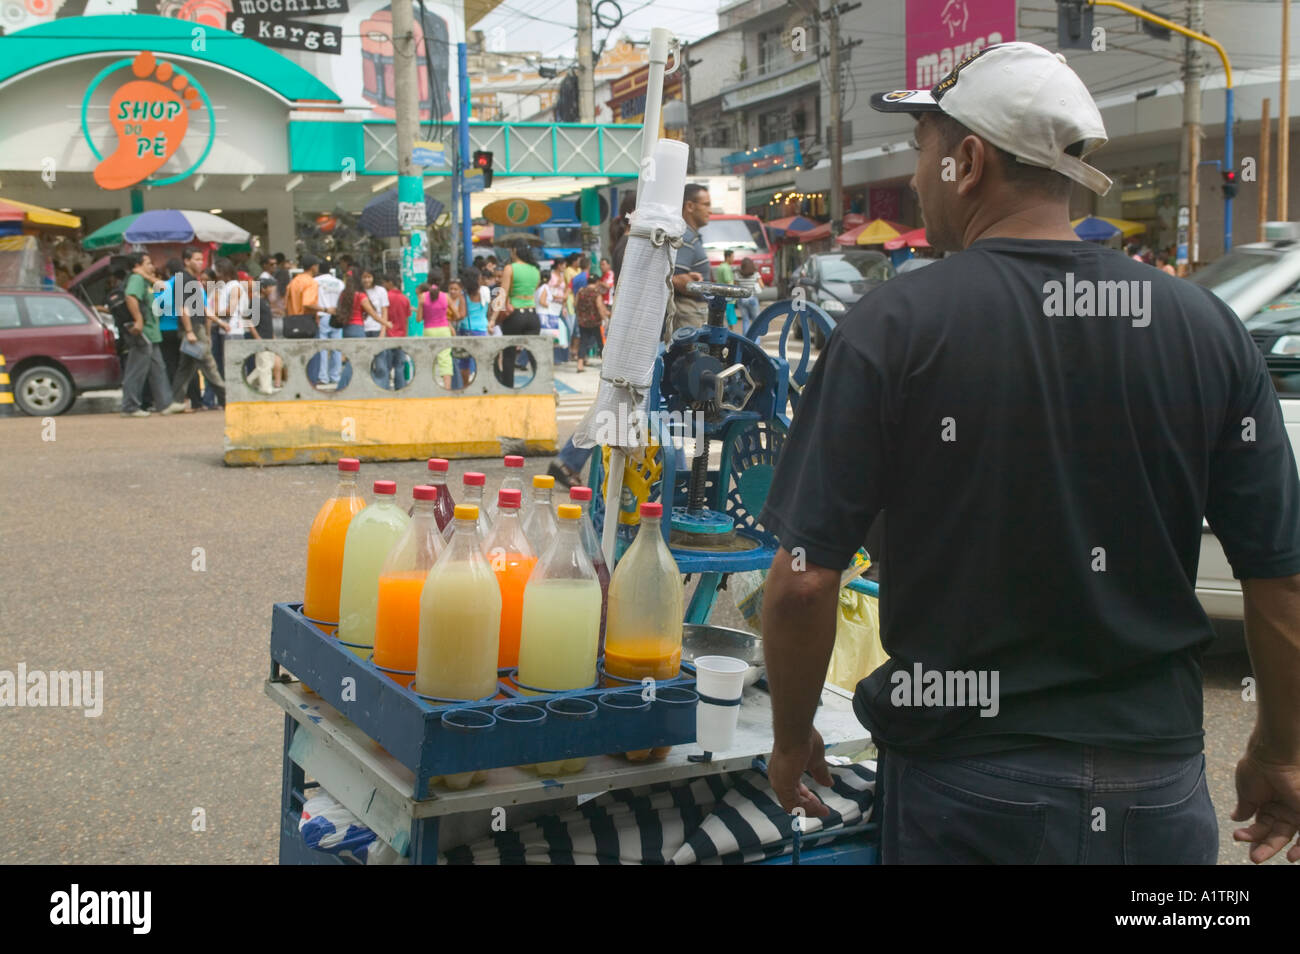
326	371
575	458
211	396
1055	803
748	310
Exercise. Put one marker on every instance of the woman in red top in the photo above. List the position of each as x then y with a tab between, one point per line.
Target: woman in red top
354	303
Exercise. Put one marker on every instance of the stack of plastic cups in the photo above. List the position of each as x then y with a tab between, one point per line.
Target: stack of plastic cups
719	681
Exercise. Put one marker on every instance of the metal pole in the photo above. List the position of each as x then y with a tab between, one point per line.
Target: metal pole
1189	185
410	180
837	122
586	81
1228	166
462	136
457	188
1265	139
1284	121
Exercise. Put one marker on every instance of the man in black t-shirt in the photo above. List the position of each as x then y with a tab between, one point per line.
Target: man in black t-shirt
1046	422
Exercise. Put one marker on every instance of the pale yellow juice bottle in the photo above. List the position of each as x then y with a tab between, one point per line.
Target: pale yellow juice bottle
560	630
460	619
371	535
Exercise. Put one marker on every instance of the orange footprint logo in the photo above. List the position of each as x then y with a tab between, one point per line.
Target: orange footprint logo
150	117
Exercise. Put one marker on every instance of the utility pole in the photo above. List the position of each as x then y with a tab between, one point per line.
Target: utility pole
410	178
1188	184
586	69
1284	121
1265	134
837	125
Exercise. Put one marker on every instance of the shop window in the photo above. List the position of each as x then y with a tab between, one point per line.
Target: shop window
773	126
771	51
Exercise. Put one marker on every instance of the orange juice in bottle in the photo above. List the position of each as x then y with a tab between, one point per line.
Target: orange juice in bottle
512	560
401	582
325	547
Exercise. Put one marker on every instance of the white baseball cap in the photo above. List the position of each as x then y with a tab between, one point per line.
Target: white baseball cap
1023	99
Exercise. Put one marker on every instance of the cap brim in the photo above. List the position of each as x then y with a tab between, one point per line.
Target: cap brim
905	101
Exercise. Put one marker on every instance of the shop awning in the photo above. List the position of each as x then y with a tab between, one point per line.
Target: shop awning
37	215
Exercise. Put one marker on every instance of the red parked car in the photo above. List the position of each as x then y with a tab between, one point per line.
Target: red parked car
55	348
747	235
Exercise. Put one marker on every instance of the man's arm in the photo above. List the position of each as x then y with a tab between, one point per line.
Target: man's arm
1268	777
800	605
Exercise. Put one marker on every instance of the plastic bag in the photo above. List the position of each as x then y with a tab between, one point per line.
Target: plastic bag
858	651
328	826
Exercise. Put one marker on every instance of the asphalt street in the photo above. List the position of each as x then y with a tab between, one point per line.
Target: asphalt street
127	546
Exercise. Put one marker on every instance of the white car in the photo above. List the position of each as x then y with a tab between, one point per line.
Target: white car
1261	283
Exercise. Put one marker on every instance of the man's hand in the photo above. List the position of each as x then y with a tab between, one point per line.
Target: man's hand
679	281
1268	792
137	328
191	337
785	770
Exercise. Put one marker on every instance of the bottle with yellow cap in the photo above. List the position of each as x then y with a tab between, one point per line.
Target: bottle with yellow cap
539	521
460	618
560	628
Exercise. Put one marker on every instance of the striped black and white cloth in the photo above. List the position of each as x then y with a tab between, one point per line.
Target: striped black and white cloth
718	819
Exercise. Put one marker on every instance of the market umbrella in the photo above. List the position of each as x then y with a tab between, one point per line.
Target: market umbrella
874	232
483	234
379	217
913	239
11	210
166	225
790	224
1093	229
1128	227
816	234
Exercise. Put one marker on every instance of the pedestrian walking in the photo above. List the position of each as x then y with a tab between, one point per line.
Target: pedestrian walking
144	361
326	368
433	310
749	279
519	282
692	262
193	317
1084	473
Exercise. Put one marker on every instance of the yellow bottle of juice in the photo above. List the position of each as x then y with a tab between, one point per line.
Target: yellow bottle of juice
370	537
460	619
643	632
560	629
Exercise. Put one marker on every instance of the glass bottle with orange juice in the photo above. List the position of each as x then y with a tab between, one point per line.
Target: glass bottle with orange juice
325	547
401	582
644	632
512	560
643	635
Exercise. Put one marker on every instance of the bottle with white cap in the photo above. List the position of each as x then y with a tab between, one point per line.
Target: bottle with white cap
371	537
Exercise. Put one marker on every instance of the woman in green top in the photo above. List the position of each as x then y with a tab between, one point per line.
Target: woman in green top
519	281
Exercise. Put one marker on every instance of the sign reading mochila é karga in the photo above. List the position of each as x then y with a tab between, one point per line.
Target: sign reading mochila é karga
271	22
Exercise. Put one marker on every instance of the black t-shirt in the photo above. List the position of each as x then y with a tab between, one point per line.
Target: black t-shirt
1045	476
282	280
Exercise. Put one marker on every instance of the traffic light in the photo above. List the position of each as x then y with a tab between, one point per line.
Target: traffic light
1229	183
483	162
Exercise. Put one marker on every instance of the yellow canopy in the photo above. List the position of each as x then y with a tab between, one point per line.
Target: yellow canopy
39	215
1127	227
878	232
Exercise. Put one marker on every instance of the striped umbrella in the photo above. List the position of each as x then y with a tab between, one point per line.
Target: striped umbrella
790	224
913	239
874	232
11	210
1127	227
173	226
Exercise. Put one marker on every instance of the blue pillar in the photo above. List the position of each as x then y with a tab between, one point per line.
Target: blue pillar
462	132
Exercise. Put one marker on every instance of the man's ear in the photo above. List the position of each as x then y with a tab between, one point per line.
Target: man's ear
972	164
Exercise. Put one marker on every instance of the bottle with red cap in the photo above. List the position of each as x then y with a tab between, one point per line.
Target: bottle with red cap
643	636
513	480
445	505
401	581
591	543
325	547
474	485
512	560
370	538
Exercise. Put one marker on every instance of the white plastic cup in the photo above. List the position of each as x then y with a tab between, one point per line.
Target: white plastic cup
721	678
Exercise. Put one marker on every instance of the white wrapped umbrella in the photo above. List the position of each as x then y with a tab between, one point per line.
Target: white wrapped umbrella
640	302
